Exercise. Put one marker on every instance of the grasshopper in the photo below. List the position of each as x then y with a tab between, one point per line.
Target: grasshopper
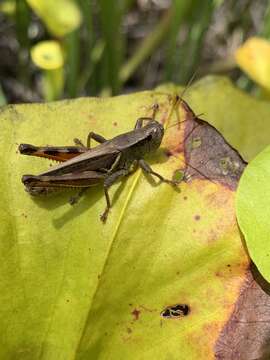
83	166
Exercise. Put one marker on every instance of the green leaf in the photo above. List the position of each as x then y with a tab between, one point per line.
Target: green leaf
253	197
61	16
74	288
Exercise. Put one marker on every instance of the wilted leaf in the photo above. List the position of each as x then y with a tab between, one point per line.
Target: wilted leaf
242	119
253	213
166	277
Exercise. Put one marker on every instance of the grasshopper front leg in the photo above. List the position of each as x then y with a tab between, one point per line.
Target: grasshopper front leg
147	168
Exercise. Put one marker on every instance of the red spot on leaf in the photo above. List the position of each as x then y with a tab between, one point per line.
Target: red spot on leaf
136	314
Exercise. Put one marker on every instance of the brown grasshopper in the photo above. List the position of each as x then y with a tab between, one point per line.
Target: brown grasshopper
83	166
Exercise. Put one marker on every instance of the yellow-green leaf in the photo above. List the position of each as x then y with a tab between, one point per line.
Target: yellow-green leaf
61	16
74	288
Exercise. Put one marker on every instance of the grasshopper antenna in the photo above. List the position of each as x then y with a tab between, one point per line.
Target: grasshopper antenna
190	81
179	98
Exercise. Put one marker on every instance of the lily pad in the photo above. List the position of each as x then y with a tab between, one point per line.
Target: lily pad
253	210
167	276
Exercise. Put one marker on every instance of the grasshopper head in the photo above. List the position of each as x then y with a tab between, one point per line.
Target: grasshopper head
155	132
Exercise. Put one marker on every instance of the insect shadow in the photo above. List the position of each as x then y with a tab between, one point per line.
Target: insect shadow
89	199
59	199
93	195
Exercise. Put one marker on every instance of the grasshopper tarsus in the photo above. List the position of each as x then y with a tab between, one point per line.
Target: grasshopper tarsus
104	216
79	143
74	199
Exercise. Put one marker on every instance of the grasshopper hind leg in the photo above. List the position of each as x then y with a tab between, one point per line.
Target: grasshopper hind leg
98	138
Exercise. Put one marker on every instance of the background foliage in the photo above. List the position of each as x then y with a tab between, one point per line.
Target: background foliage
110	47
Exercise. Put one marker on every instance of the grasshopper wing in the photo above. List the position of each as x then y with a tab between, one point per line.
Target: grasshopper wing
100	157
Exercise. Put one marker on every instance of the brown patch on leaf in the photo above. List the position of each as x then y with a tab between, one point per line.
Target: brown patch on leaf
168	153
136	314
207	154
246	335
